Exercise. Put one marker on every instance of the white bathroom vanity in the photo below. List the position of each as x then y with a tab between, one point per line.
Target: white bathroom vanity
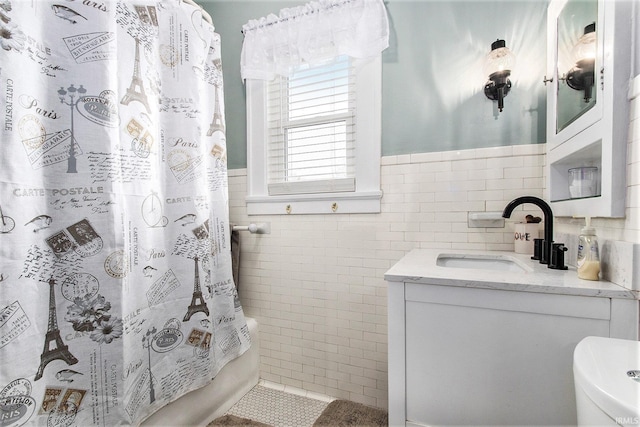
487	338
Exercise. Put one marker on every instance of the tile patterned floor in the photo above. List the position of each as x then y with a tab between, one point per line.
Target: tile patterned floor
280	406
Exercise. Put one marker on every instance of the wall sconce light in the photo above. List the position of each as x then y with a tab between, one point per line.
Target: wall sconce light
498	65
581	76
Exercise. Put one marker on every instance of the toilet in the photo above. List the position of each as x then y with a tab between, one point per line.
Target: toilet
606	374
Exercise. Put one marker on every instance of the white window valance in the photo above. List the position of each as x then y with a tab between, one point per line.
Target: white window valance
314	33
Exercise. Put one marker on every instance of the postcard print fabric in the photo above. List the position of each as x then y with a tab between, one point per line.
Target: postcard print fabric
116	289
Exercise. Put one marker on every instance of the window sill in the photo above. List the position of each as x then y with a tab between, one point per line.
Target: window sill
330	203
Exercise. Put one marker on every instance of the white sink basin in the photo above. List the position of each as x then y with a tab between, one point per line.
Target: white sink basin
497	262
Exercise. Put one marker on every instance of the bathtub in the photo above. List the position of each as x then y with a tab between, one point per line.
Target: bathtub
201	406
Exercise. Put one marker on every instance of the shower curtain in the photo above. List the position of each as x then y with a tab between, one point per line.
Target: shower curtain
116	291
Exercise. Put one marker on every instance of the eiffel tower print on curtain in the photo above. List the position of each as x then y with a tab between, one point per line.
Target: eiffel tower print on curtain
60	351
197	301
135	92
217	124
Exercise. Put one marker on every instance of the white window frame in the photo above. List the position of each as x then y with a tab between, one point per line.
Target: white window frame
367	194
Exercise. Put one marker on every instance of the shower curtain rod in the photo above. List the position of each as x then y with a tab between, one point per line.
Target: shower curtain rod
205	15
279	20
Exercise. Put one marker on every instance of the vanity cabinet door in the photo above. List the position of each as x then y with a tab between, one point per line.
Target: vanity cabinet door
493	357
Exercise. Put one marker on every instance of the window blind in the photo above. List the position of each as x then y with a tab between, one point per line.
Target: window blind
311	130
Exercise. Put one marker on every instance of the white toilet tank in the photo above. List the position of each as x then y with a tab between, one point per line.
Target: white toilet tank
606	373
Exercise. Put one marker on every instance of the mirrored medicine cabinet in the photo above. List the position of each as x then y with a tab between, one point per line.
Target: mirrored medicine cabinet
587	105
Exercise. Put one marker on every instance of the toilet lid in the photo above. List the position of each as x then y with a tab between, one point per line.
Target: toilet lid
608	370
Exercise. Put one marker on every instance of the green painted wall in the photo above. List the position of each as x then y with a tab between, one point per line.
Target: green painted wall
432	96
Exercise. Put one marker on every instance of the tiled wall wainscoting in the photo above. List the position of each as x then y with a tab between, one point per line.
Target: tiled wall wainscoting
316	283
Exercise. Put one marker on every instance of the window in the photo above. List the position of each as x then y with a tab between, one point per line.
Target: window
314	140
311	130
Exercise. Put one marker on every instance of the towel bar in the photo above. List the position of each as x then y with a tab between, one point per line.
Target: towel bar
262	228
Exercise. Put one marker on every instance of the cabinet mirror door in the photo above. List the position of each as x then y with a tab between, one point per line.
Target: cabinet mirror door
577	54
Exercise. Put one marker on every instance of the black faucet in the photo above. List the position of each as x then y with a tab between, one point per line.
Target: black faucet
547	244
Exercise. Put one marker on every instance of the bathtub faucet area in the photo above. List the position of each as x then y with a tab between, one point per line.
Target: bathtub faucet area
551	254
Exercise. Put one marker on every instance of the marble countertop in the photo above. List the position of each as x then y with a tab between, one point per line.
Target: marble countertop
420	266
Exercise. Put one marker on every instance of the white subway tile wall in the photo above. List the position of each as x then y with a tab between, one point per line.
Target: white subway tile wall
316	283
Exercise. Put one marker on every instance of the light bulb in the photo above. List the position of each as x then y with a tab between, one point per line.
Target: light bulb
500	59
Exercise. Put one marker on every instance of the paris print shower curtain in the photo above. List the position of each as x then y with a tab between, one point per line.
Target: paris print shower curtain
116	291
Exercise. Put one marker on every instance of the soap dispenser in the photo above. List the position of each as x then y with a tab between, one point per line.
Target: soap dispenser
588	253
